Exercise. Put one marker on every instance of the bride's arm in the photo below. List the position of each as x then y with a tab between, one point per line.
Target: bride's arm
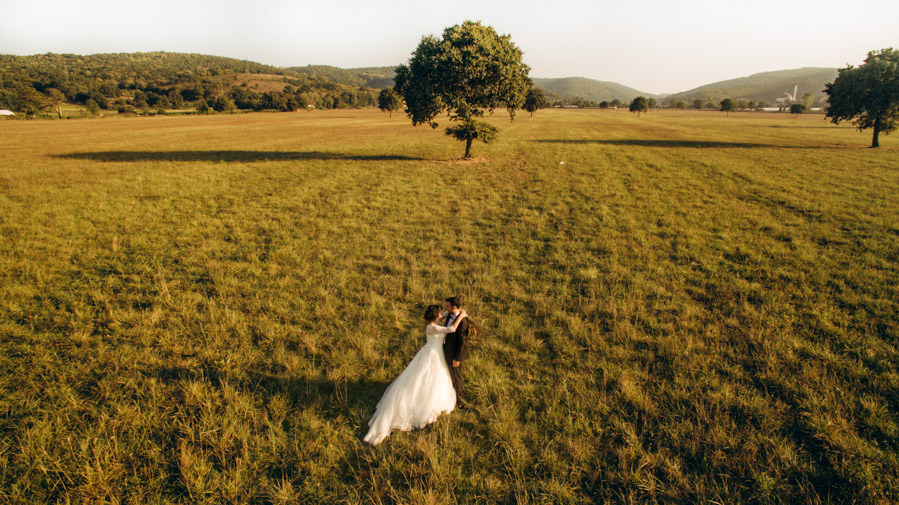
462	315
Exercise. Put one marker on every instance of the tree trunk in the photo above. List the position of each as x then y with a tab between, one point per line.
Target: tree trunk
876	142
468	148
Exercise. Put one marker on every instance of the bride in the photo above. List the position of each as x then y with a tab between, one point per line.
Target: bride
423	391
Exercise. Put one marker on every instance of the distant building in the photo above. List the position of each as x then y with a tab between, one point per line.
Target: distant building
786	96
4	112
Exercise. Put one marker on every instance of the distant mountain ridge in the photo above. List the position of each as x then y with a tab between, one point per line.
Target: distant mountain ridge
764	86
589	89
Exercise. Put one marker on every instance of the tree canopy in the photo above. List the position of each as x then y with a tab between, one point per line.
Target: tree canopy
389	100
728	105
470	70
534	100
867	95
640	104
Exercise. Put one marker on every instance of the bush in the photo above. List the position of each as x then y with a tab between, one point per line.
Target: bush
93	108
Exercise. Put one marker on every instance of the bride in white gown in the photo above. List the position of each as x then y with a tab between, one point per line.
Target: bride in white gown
423	391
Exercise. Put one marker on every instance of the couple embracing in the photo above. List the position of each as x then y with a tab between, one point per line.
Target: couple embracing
432	382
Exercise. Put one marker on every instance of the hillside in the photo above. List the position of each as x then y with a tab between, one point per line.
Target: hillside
765	86
588	89
161	81
373	77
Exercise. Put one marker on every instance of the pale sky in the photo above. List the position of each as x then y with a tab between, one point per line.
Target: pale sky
656	46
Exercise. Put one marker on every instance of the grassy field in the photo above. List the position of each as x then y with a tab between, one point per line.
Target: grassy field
678	308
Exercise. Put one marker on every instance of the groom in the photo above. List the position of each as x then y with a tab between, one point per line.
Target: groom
454	348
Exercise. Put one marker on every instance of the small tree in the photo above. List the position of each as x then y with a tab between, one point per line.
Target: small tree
640	104
797	108
867	95
29	100
223	104
603	104
389	100
751	105
808	100
93	108
728	105
470	70
697	104
176	99
202	106
55	98
651	103
535	100
616	103
467	131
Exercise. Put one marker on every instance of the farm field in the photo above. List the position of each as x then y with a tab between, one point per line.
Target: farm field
677	308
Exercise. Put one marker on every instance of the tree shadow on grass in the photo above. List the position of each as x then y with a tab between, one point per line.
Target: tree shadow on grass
831	127
701	144
229	156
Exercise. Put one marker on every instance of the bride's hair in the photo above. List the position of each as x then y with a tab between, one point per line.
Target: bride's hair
432	313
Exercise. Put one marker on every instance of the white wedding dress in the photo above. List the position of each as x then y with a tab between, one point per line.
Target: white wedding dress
422	392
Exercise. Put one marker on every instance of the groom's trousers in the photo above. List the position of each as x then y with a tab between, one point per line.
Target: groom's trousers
456	376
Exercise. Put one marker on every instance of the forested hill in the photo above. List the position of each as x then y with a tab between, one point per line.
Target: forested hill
765	86
588	89
373	77
162	80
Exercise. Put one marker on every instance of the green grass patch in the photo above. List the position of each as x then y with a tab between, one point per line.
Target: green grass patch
678	308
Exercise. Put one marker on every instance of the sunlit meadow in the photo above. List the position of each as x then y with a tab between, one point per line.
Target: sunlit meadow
681	307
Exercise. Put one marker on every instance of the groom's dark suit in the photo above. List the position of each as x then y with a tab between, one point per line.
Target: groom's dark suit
455	349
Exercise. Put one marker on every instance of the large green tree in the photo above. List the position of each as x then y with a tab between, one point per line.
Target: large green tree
468	71
389	100
867	95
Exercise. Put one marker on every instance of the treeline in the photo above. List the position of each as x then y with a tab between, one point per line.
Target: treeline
583	103
806	103
803	105
146	82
